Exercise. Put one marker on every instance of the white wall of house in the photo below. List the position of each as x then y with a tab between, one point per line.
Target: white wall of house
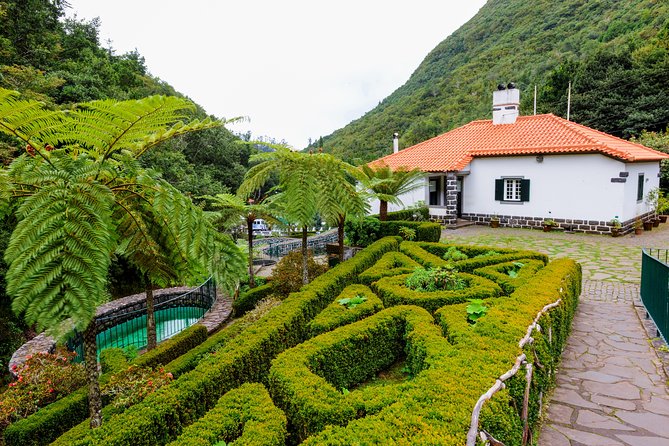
408	199
650	171
561	186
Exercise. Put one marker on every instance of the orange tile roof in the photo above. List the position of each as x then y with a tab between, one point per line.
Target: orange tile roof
530	135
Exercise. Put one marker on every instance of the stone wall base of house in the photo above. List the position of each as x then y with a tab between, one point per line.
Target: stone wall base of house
564	224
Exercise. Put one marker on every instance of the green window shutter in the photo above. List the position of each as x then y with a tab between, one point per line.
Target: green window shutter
639	190
524	190
499	190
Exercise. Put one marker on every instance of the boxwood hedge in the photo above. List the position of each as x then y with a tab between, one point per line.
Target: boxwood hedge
391	264
500	273
248	300
336	314
243	416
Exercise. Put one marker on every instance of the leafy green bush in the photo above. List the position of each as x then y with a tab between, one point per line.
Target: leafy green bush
113	359
476	310
247	300
435	279
499	273
393	291
362	231
391	264
454	254
418	213
243	416
163	414
407	233
306	381
133	384
287	274
336	315
415	251
42	379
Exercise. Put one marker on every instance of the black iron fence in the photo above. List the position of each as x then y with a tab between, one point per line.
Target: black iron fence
126	326
655	287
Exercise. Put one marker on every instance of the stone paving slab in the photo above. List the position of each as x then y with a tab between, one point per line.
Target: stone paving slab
612	388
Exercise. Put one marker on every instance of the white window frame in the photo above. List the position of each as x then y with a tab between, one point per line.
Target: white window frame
512	188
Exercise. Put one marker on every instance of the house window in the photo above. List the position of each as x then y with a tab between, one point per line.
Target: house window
434	191
512	190
639	189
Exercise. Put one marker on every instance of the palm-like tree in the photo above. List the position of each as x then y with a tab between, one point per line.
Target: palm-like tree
308	184
387	185
80	195
232	208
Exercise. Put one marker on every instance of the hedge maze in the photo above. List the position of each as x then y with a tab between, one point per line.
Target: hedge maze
316	370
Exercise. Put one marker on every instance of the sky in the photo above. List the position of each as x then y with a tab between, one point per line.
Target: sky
296	69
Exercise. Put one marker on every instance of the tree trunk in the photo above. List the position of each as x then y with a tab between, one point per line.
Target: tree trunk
383	210
249	228
340	236
305	265
91	362
151	337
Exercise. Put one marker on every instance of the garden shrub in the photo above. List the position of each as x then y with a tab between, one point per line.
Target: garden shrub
412	214
336	315
454	254
499	273
287	274
307	380
435	279
362	231
42	379
163	414
425	231
247	300
243	416
133	384
48	423
435	407
391	264
415	251
393	291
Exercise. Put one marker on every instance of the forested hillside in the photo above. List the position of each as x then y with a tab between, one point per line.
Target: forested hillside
60	61
615	53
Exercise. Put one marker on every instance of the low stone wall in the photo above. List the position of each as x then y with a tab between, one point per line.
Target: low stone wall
575	225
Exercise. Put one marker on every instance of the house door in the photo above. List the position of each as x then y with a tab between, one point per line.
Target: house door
458	190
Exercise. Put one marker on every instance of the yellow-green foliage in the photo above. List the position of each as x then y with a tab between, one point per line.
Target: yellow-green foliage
391	264
336	315
307	381
500	273
242	417
393	291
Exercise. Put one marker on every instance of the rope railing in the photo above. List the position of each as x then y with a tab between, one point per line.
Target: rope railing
521	360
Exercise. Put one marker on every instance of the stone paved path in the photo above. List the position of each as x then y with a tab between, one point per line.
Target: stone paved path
611	386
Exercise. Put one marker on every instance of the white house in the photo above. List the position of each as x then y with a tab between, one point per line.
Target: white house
524	169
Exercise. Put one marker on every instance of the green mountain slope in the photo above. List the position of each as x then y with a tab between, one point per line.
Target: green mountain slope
602	46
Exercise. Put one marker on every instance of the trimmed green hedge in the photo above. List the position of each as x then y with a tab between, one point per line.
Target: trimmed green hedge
415	251
391	264
393	291
163	414
425	231
307	380
435	407
248	300
243	416
45	425
408	214
500	273
336	315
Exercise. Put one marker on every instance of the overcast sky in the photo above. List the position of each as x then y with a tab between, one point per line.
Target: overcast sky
298	69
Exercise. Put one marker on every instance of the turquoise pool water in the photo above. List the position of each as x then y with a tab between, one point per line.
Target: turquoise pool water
169	322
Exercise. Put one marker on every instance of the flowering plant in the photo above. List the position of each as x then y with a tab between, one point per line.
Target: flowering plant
134	384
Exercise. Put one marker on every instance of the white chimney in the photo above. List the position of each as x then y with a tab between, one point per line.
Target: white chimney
505	104
396	142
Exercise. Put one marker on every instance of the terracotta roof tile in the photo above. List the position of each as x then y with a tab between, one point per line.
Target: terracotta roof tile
530	135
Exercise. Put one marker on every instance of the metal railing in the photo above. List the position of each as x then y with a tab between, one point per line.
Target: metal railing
655	287
173	314
277	248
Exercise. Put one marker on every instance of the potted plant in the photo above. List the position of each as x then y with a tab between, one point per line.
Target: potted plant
615	226
648	225
494	221
548	224
653	201
663	208
638	227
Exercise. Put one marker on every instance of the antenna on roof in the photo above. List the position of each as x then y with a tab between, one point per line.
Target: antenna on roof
535	99
568	100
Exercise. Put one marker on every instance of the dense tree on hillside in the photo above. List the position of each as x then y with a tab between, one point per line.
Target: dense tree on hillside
81	195
526	42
